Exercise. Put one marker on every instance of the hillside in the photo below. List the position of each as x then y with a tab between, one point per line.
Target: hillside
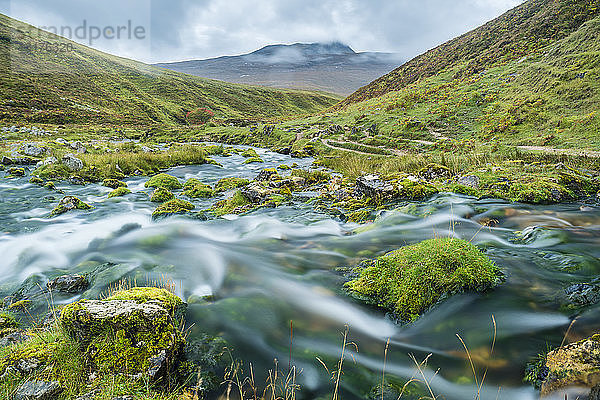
48	79
331	67
519	32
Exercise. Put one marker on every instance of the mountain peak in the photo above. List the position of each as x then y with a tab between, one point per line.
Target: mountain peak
306	49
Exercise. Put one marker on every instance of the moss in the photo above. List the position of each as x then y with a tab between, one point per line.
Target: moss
119	192
195	189
21	305
284	167
36	180
312	177
252	160
411	190
113	183
238	203
435	171
172	207
410	280
8	324
50	185
230	183
141	295
164	180
359	216
250	153
14	171
161	195
67	204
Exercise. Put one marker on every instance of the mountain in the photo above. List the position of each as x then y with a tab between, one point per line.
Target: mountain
520	32
331	67
48	79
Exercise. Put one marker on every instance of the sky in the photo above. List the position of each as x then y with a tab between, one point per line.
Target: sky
175	30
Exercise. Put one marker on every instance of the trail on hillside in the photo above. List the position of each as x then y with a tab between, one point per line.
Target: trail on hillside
567	152
395	152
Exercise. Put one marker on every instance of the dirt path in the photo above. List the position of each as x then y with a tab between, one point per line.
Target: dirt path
568	152
394	152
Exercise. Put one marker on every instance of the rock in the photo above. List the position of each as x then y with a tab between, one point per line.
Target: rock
119	192
576	364
14	171
471	181
161	195
372	186
13	338
47	161
164	180
435	171
256	192
76	180
132	332
267	174
113	183
38	390
72	162
583	294
68	284
172	207
32	149
595	393
69	203
62	141
78	147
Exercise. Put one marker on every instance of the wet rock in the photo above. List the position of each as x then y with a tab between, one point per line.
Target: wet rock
267	174
14	171
284	150
32	149
119	192
69	203
16	159
38	390
77	180
595	393
161	195
158	365
72	162
113	183
256	192
372	186
68	284
583	294
576	364
164	180
471	181
172	207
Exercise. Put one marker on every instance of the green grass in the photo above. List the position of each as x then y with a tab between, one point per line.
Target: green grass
410	280
85	86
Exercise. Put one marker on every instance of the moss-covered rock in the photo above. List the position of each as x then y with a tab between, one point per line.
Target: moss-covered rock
236	204
172	207
164	180
195	189
412	279
113	183
119	192
226	184
36	180
15	171
575	364
435	172
69	203
284	167
407	189
253	160
8	324
133	332
250	153
161	195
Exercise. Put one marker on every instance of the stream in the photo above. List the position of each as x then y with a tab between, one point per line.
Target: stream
262	270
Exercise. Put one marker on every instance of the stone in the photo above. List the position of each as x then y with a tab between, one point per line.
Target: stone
68	284
62	141
255	192
595	393
372	186
72	162
435	171
69	203
576	364
38	390
78	147
47	161
16	171
32	149
471	181
13	338
266	174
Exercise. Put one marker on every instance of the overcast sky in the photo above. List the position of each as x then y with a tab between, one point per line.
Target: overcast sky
173	30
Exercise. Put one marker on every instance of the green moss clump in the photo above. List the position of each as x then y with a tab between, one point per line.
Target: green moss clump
250	153
8	324
36	180
226	184
410	190
67	204
142	295
172	207
238	203
164	180
253	160
410	280
119	192
161	195
22	305
195	189
359	216
113	183
14	171
312	177
284	167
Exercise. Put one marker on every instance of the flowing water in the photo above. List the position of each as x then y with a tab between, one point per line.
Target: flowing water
273	266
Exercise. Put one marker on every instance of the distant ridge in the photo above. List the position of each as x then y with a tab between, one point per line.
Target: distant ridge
332	67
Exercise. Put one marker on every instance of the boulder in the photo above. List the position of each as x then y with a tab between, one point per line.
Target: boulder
576	364
372	186
68	284
69	203
471	181
38	390
32	149
256	192
72	162
78	147
267	174
435	171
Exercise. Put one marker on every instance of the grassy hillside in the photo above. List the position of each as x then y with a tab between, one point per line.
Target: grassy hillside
48	79
520	32
549	97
